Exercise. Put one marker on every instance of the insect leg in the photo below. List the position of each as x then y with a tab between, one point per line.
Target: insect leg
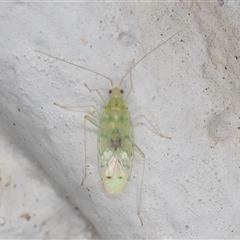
140	152
137	148
140	195
131	88
96	123
158	133
98	92
84	106
90	119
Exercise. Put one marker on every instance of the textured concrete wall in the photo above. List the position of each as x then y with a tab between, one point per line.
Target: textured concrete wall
188	88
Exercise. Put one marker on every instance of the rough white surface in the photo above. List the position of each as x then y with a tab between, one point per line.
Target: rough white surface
30	206
189	88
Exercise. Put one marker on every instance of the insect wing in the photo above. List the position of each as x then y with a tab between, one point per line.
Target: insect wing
115	149
115	178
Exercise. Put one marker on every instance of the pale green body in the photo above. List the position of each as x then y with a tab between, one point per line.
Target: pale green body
115	145
115	137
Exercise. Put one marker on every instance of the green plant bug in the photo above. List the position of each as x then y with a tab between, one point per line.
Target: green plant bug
116	145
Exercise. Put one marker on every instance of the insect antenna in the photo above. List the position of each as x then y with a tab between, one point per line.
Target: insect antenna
132	67
76	65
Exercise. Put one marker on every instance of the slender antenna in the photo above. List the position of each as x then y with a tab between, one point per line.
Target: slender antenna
74	64
120	83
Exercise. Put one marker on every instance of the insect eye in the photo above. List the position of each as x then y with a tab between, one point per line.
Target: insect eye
121	91
110	91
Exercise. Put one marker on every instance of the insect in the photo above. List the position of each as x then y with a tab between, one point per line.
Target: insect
116	143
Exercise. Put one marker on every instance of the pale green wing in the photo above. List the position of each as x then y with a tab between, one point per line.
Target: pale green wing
115	165
114	179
